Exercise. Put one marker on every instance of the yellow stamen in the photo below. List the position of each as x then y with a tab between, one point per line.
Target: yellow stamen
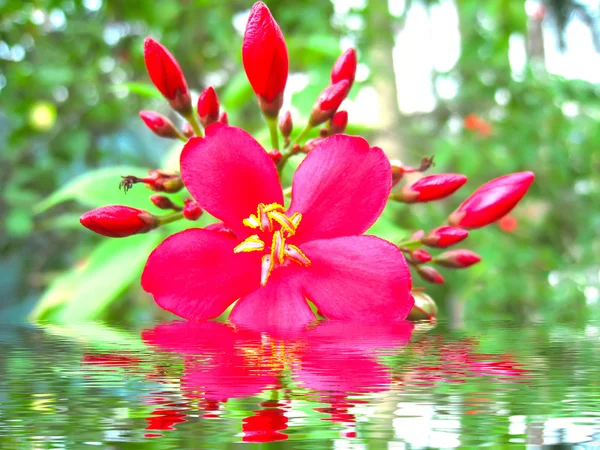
295	254
251	244
284	221
266	268
251	222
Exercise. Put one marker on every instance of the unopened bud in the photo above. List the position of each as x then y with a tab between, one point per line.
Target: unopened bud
208	106
162	202
398	171
118	221
429	274
158	181
424	307
167	76
223	118
191	210
338	122
160	125
275	155
431	188
188	131
286	126
345	67
265	59
328	102
445	236
457	259
493	200
420	256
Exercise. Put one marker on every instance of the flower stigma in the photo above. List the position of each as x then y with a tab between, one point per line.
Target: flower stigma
267	218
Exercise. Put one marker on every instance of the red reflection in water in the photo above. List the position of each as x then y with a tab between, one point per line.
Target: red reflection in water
215	362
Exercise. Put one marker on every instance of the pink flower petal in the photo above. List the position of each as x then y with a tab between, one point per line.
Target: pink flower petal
340	188
362	278
279	307
195	274
229	174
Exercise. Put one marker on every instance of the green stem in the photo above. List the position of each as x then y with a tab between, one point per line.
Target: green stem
193	120
169	218
411	245
301	136
272	122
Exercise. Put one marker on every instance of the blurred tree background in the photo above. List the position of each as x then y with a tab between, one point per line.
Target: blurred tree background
487	87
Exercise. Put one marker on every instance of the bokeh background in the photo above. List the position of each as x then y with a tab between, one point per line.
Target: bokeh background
488	87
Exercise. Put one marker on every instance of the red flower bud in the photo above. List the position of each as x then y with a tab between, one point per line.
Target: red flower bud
275	155
445	236
188	131
344	67
457	259
208	106
160	125
265	58
432	187
508	224
162	202
493	200
420	255
338	122
429	274
191	210
158	181
118	221
167	76
223	117
328	102
286	125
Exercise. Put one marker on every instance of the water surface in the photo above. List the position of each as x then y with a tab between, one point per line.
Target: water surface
180	385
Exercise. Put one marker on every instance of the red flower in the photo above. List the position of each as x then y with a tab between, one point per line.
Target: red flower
433	187
118	221
492	201
159	124
345	67
276	258
208	106
167	76
265	58
445	236
328	102
475	123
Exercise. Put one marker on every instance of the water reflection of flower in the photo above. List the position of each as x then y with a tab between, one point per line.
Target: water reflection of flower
335	362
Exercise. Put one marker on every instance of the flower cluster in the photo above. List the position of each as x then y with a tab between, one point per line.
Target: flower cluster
271	255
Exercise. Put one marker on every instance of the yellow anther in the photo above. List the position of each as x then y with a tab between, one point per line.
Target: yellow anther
295	254
284	221
295	219
278	247
272	207
251	222
266	268
251	244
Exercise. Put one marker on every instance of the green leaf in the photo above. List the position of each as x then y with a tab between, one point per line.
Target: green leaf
110	269
143	89
100	188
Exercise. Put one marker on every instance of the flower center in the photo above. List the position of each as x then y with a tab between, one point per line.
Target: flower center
267	218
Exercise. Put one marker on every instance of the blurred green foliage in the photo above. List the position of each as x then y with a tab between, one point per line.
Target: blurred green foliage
72	80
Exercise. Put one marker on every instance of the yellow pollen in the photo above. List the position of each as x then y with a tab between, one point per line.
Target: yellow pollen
265	219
